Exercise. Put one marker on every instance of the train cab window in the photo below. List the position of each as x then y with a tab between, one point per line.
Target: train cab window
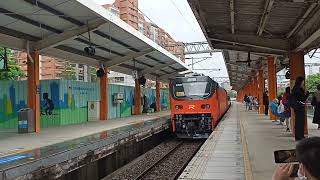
192	90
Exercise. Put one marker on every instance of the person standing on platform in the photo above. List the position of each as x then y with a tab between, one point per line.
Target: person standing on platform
299	97
266	102
287	110
316	104
246	101
250	101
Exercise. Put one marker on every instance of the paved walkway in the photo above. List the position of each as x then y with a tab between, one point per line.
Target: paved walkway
11	141
221	156
263	137
242	147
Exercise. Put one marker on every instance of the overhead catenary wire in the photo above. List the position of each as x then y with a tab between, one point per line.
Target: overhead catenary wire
175	5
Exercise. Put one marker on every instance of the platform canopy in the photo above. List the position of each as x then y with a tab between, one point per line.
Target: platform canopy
261	27
60	28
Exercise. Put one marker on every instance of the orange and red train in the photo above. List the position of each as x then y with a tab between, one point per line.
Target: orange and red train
197	104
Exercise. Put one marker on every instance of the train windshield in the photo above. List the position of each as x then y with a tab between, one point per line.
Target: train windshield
192	90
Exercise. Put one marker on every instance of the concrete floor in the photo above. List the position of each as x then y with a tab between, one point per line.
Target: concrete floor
264	137
11	141
261	137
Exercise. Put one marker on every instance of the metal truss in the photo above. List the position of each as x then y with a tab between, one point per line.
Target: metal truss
198	48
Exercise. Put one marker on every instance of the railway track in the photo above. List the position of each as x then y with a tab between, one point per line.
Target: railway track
166	161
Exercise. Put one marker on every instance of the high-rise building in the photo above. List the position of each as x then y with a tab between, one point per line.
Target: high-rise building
128	11
52	68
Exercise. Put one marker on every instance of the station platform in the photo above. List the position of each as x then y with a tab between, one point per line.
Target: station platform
24	154
241	147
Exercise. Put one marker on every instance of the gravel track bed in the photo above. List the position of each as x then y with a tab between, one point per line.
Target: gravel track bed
142	163
172	164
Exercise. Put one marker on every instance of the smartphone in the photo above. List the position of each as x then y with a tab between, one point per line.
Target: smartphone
295	170
285	156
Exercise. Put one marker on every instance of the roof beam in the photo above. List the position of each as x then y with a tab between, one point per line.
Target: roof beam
128	57
156	68
307	34
77	22
302	19
271	44
169	76
240	72
237	65
267	8
232	15
58	39
227	46
81	53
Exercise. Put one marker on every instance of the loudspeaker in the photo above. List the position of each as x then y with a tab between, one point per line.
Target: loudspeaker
100	72
142	81
90	50
287	75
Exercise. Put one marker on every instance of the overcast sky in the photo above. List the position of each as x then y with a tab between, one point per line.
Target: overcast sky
182	27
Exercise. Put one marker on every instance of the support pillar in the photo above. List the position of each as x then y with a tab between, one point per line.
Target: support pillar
104	96
296	70
158	103
256	86
272	82
34	87
137	98
260	91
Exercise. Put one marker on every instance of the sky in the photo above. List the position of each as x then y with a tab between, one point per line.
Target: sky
176	17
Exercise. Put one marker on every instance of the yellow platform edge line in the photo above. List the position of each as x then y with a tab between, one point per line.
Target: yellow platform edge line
14	152
246	159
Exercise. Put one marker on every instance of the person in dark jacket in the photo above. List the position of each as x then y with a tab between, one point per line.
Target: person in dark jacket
300	96
316	104
287	110
246	101
266	103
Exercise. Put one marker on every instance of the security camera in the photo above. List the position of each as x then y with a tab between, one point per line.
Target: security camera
90	50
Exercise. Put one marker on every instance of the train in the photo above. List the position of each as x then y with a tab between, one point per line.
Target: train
197	104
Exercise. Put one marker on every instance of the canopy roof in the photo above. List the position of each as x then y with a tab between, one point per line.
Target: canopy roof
60	28
262	27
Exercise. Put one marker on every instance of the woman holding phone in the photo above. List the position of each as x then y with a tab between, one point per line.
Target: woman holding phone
308	156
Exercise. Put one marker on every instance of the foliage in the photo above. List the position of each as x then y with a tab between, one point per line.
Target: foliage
68	73
93	74
280	92
312	81
232	94
14	71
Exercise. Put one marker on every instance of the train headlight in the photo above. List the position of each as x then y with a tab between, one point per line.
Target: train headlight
179	107
205	106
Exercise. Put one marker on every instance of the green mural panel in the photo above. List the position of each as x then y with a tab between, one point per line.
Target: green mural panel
124	109
65	102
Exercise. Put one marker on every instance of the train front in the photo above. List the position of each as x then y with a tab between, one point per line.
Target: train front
193	105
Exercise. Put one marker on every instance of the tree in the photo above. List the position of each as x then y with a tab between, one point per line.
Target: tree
93	74
312	81
232	94
14	71
69	72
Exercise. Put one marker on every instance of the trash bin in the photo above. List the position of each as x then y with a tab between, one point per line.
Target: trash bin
26	121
